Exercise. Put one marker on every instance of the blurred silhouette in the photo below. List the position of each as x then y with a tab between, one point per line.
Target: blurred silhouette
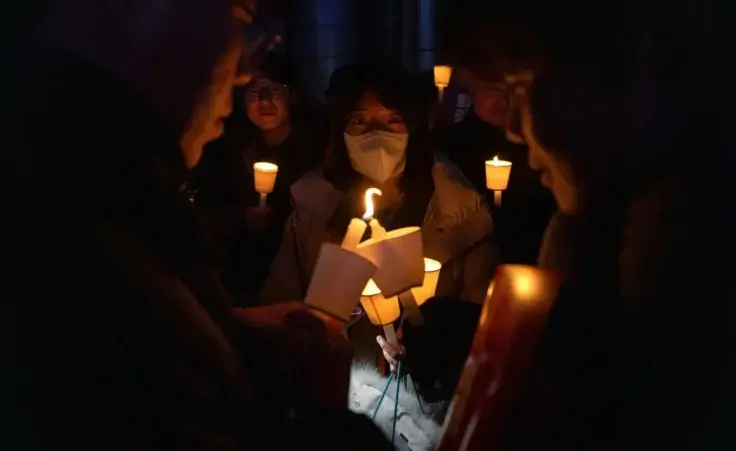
615	99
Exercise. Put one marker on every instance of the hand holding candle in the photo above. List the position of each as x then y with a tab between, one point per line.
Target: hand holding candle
380	310
497	177
264	176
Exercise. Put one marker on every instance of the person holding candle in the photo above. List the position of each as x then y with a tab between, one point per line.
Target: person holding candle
380	141
621	104
267	126
527	206
130	341
380	145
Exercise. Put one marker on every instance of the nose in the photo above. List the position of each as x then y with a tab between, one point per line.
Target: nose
265	100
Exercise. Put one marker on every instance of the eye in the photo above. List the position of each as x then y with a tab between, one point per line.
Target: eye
396	119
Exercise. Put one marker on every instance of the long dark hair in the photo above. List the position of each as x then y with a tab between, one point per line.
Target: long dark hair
394	86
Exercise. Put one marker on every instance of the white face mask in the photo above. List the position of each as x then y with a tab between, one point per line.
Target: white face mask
378	155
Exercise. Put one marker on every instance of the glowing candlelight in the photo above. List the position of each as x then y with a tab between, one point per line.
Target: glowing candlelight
357	227
497	177
442	76
264	175
381	311
429	286
377	230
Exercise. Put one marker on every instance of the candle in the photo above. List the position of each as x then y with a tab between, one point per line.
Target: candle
381	311
264	177
355	232
497	177
429	286
377	230
357	227
442	76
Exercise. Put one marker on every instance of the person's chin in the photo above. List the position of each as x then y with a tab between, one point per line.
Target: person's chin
269	124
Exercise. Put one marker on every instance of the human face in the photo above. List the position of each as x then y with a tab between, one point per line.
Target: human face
267	103
207	123
555	173
371	114
491	101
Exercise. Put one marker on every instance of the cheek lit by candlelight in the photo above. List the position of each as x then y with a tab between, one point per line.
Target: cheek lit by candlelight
369	208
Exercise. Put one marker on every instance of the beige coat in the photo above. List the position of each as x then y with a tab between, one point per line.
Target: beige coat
457	231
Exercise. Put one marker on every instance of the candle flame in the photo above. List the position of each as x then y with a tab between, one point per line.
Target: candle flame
495	160
369	209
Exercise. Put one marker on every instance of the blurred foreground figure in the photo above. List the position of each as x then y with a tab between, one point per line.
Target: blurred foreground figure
124	337
619	104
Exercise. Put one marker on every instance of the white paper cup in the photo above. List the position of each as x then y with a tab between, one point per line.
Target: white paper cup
380	311
497	174
264	174
429	286
399	257
338	281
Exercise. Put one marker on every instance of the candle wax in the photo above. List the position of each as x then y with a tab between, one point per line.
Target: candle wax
355	232
377	230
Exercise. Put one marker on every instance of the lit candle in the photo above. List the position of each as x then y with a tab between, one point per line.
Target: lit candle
377	230
442	76
381	311
355	232
357	227
497	177
264	176
429	286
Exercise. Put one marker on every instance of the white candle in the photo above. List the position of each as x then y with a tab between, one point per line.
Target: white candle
355	232
497	177
377	230
390	334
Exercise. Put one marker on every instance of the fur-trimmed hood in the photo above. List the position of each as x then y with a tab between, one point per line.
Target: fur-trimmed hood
416	429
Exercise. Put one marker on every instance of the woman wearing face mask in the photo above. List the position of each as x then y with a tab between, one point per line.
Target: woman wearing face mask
380	141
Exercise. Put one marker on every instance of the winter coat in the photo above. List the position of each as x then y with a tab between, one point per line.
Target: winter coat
416	426
457	231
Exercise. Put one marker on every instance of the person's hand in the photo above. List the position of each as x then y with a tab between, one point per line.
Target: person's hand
257	218
312	347
393	354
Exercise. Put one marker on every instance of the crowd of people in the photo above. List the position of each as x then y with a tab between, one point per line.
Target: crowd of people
157	303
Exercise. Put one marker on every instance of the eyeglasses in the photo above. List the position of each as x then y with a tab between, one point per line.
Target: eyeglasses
265	91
